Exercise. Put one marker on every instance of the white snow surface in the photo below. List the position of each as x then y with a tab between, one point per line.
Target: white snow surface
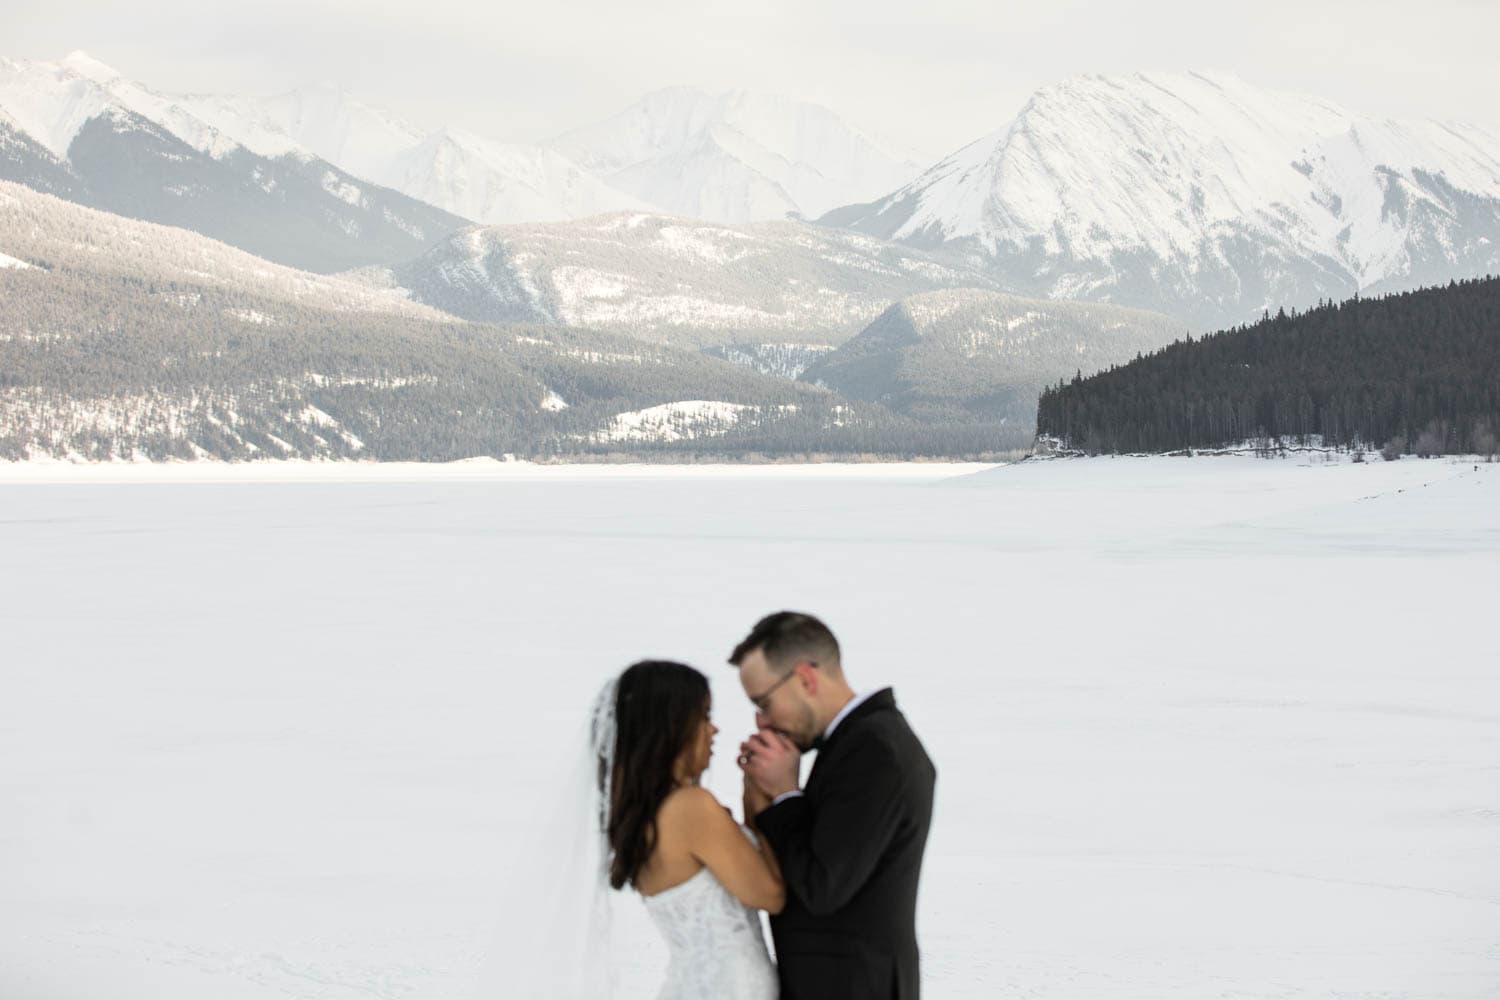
682	420
11	262
1203	727
1157	162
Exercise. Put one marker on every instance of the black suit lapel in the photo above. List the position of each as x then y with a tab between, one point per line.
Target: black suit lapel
881	701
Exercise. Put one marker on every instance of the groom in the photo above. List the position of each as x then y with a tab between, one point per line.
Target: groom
849	844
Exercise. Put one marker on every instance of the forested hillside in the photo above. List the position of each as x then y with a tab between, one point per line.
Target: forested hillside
116	367
1419	371
973	356
54	234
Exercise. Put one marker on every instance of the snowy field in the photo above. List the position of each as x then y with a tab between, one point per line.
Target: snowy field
1204	727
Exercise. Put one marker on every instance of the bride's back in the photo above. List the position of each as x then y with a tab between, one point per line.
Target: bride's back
696	868
715	940
672	861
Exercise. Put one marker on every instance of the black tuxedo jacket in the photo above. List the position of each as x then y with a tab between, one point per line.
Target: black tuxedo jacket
850	849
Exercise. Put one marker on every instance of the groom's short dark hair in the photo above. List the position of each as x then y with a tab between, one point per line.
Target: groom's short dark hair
788	637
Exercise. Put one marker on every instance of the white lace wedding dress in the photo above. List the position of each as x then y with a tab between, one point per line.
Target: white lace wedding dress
715	942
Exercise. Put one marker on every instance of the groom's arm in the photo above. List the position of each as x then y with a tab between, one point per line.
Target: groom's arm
830	844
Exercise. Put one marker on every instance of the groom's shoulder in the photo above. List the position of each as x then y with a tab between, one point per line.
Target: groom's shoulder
886	727
886	715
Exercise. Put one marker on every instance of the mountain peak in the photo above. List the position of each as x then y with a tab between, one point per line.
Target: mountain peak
326	88
1121	187
88	67
677	91
735	156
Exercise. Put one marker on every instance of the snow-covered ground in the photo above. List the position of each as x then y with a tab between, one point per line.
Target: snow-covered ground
1204	727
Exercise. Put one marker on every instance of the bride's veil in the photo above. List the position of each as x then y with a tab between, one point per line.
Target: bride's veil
555	939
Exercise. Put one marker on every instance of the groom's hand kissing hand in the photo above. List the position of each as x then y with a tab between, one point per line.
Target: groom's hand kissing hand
772	762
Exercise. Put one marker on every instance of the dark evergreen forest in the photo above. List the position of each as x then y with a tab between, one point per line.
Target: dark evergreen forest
1415	372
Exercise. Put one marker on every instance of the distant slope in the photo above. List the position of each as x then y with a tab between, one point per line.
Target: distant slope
736	156
730	157
98	367
24	159
124	340
965	354
104	368
669	280
52	233
1205	198
1416	371
79	130
785	360
466	174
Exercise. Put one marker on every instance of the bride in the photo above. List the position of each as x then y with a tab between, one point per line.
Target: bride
701	874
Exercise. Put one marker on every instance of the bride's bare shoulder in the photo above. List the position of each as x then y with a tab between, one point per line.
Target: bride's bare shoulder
689	806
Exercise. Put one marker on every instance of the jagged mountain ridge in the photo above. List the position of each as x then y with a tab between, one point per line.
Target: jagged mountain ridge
731	157
1204	197
80	130
737	156
463	173
671	280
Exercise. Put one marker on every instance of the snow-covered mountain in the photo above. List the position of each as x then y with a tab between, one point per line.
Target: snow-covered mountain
122	339
25	159
50	233
966	353
737	156
670	280
82	131
463	173
1204	197
323	120
730	157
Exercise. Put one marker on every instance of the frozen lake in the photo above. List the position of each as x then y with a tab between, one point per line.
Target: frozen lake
1204	727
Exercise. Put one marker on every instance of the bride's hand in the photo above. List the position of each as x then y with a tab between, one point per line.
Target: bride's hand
771	761
756	800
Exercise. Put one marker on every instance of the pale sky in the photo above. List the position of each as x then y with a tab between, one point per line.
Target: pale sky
933	75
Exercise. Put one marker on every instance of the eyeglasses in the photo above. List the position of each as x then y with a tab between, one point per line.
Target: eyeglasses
762	700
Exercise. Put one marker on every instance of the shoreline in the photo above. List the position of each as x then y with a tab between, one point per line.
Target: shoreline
462	471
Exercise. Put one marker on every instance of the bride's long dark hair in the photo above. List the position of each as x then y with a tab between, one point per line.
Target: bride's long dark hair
659	706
